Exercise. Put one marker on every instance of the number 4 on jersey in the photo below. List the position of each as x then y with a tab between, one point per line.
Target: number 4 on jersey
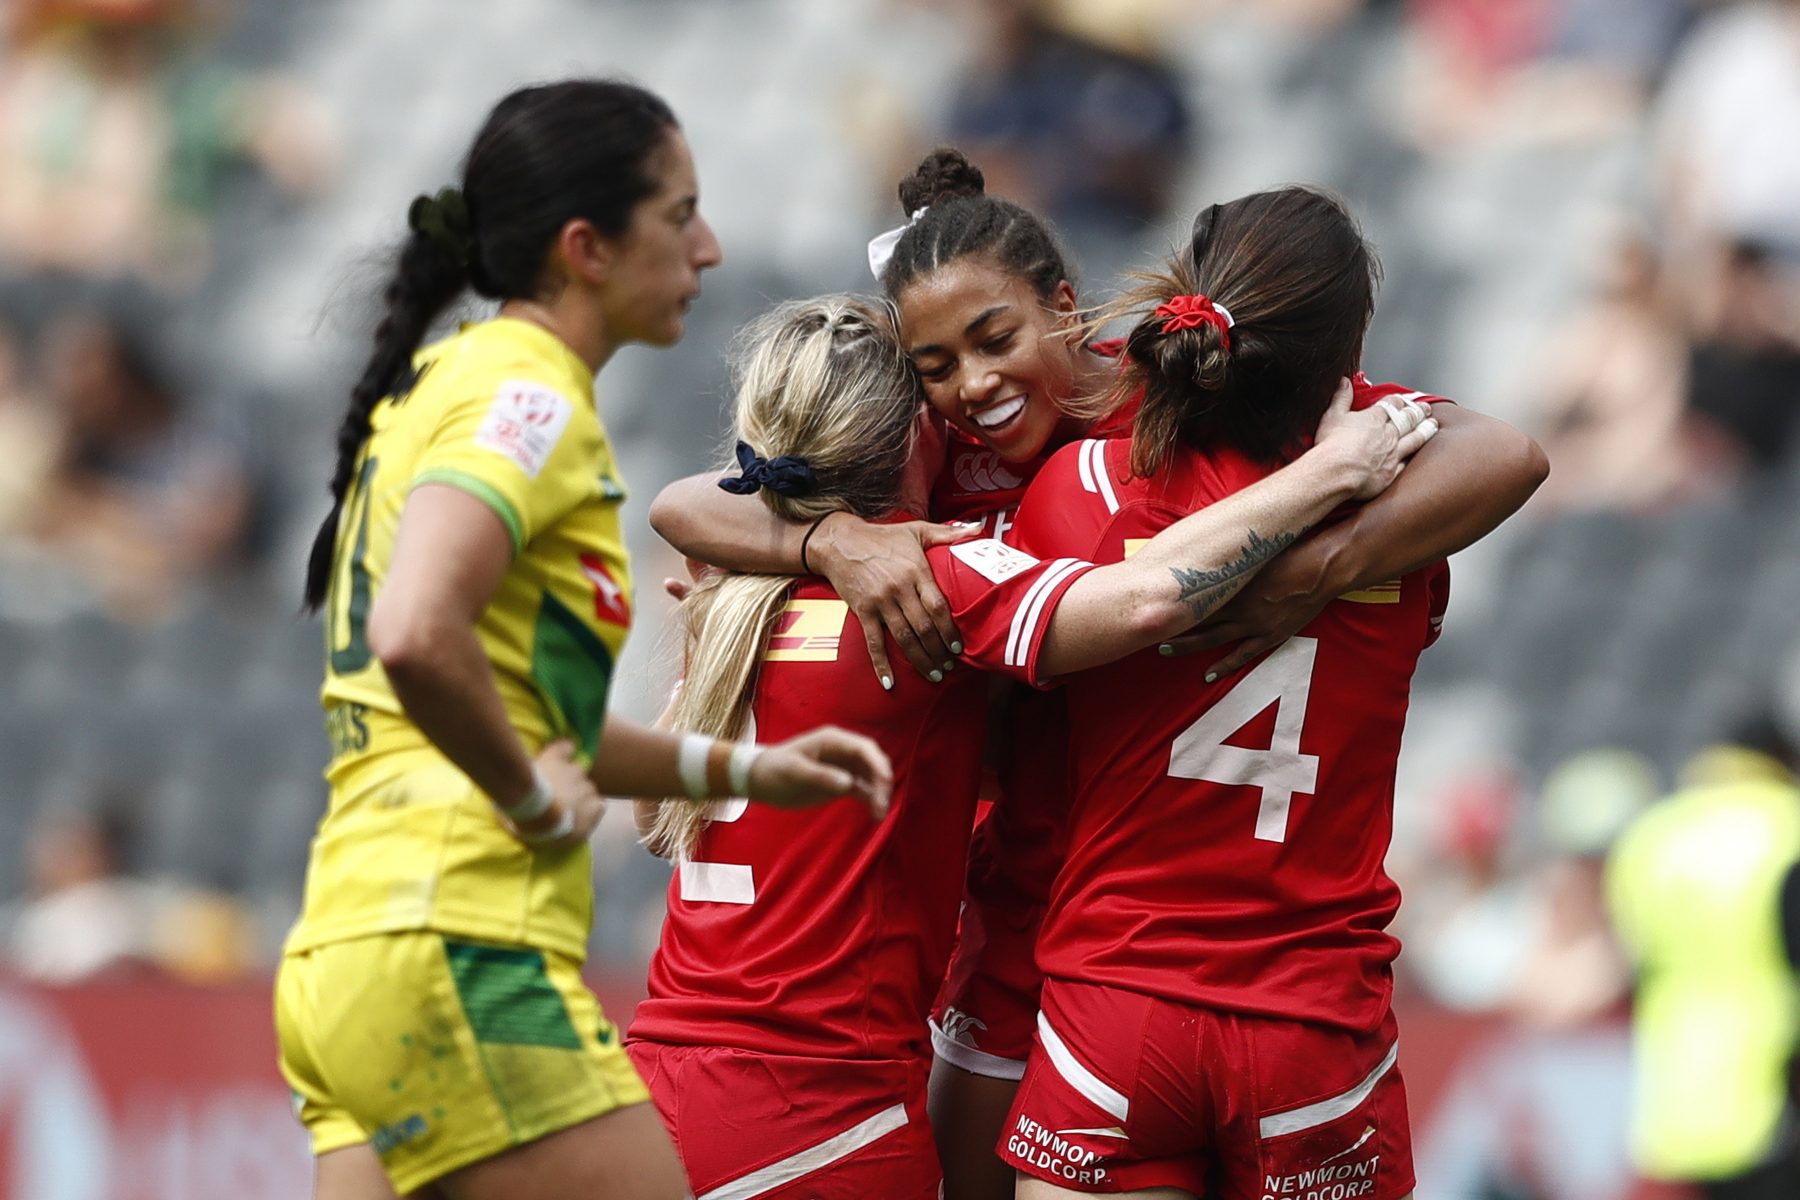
1283	679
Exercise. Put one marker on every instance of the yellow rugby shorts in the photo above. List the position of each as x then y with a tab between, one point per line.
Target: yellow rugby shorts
441	1052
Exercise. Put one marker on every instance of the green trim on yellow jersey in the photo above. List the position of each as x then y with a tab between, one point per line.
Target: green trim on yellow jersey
483	491
507	996
573	669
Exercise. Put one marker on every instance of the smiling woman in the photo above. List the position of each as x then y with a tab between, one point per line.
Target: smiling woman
989	314
993	377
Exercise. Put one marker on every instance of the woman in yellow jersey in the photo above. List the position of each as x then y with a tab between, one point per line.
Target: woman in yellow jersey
432	1021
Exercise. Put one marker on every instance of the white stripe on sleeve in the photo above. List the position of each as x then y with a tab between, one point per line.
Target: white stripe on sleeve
1025	620
1097	449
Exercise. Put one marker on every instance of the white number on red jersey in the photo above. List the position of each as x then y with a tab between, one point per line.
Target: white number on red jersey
721	883
1283	679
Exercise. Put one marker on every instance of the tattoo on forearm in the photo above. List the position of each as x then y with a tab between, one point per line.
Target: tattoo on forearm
1204	590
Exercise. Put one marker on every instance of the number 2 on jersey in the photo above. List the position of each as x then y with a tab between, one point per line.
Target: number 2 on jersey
721	883
1283	679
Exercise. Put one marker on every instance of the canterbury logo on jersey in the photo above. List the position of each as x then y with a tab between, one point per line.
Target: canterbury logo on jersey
983	471
808	631
960	1026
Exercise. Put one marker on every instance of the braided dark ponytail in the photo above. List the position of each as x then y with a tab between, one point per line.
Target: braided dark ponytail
426	279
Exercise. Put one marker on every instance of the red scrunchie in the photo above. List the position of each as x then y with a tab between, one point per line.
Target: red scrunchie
1191	312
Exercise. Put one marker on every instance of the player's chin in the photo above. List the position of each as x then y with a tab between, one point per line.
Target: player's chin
1023	444
668	332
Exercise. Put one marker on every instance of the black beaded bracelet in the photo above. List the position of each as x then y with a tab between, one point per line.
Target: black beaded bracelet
810	530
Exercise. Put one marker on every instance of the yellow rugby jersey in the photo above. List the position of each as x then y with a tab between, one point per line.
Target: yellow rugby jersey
504	411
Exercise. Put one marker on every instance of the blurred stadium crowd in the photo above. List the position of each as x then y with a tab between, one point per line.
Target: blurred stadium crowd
1589	217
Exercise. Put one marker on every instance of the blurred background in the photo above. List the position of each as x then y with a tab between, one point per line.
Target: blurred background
1589	216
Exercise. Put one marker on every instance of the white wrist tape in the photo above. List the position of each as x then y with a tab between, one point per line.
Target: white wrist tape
690	760
743	757
565	825
533	804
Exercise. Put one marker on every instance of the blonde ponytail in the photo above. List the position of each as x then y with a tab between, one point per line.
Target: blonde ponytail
822	380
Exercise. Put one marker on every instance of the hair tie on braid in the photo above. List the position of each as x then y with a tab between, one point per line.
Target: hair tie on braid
788	475
444	218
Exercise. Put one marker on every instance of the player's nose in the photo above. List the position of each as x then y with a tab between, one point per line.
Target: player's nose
976	384
707	251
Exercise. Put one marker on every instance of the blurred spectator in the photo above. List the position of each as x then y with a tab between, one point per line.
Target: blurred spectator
83	914
146	494
1728	128
203	936
1499	926
28	435
1093	135
1534	1114
1467	909
87	913
1615	418
1637	39
1694	889
1535	70
1745	369
113	139
1573	971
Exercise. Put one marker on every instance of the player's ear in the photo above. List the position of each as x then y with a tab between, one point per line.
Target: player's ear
586	254
1064	313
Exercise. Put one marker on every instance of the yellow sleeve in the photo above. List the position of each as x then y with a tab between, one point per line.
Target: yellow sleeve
518	444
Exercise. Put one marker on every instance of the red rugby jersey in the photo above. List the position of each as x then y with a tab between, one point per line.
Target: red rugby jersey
1226	840
1018	844
821	932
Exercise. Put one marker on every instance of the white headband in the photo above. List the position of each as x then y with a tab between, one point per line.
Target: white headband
881	246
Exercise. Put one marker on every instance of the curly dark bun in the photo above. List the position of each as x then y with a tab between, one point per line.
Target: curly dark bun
943	175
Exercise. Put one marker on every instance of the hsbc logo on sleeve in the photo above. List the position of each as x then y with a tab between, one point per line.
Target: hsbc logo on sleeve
524	423
994	561
983	471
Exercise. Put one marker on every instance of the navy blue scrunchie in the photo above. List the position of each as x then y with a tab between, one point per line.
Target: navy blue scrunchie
785	476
